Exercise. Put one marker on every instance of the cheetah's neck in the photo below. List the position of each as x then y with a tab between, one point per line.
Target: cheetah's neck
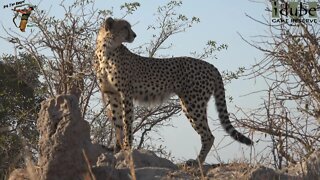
115	53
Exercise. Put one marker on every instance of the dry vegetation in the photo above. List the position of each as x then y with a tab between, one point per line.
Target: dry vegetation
59	54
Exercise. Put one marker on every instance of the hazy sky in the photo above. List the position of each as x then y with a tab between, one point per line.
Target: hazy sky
220	21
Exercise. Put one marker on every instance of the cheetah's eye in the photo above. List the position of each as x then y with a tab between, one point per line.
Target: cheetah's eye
126	27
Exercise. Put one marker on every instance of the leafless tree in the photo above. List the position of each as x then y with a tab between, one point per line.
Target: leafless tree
289	115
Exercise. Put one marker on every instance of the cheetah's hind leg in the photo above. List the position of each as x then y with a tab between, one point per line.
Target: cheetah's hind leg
196	112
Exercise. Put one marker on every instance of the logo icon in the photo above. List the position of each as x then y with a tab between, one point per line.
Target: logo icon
21	10
25	13
294	12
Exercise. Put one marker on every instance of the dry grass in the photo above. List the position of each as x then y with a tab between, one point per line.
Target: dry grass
89	175
129	159
201	169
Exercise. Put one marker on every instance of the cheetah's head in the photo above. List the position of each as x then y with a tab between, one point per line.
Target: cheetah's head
114	32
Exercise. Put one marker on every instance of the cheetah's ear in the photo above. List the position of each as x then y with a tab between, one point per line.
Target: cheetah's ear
109	22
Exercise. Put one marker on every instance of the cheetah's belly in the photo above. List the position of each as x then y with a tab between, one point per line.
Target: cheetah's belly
151	93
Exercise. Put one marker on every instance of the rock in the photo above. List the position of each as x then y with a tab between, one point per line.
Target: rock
264	173
64	137
144	158
106	159
147	173
147	165
106	172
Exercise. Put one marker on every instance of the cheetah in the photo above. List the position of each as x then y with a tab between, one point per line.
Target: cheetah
124	77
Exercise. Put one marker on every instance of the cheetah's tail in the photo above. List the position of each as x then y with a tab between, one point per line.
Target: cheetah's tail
219	95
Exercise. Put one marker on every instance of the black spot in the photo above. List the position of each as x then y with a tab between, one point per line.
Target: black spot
128	111
223	116
228	127
220	108
234	134
119	126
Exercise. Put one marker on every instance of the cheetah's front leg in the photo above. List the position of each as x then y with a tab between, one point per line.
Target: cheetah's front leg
127	115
